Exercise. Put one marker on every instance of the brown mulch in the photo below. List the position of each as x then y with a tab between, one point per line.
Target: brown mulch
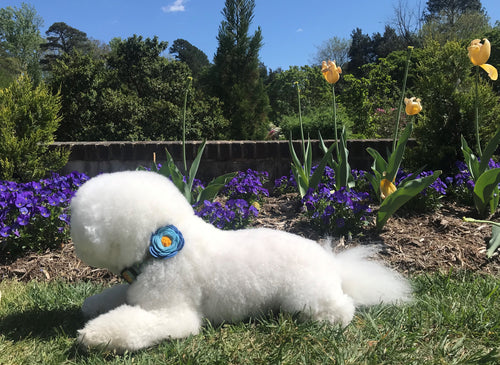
410	243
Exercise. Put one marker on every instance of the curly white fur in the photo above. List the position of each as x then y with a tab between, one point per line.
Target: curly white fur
218	275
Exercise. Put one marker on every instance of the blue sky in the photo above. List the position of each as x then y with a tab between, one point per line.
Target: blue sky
291	29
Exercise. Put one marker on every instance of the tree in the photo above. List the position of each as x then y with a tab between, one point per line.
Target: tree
185	52
132	93
361	51
449	11
407	22
61	38
20	37
10	68
334	48
236	75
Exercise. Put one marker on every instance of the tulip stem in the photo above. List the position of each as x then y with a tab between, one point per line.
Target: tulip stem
396	129
476	106
300	121
335	121
184	127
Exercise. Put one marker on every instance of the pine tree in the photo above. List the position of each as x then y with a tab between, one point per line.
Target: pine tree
236	76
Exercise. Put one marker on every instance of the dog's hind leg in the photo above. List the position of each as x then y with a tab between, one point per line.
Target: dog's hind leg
133	328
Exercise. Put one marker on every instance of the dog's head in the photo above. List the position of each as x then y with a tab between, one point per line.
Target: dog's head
114	215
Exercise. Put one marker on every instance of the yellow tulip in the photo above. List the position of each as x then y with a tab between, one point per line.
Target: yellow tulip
413	106
479	55
331	71
386	188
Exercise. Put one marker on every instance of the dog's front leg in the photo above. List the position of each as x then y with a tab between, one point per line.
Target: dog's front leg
133	328
110	298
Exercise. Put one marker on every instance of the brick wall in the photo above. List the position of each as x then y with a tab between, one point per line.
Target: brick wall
219	157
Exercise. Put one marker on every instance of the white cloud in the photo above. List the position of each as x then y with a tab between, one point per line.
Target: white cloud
178	5
299	30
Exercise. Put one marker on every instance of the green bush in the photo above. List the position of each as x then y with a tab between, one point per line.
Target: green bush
28	121
317	120
445	85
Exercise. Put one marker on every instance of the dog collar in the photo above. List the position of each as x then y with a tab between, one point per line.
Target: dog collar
165	243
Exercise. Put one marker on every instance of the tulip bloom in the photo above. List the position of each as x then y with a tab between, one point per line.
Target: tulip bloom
479	54
331	71
413	106
386	188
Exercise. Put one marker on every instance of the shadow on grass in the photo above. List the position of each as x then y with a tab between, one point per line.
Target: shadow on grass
42	324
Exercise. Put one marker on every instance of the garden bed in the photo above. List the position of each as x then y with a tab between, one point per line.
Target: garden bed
411	243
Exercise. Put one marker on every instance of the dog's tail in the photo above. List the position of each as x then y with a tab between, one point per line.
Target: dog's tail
368	281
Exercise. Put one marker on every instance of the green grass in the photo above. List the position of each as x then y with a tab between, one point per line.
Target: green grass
454	319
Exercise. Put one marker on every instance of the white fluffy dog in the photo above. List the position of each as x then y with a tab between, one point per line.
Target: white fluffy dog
124	221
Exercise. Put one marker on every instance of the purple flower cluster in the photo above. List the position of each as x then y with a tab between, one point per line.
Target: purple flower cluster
427	200
288	184
463	179
243	193
38	205
337	211
438	186
234	214
248	185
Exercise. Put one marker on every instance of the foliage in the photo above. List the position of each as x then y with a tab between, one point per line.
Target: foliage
28	119
194	57
10	68
185	181
384	172
302	171
34	215
20	37
334	48
235	75
61	39
429	199
495	235
315	94
486	192
318	120
444	83
361	97
100	101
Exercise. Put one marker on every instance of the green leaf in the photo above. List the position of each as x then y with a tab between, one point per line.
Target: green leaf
397	155
343	175
325	149
486	186
379	163
403	194
194	166
495	234
318	173
213	188
301	176
495	240
490	149
308	158
470	160
375	183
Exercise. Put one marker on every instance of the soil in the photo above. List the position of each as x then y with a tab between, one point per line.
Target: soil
410	243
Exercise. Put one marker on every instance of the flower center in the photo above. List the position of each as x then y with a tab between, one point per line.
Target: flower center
166	241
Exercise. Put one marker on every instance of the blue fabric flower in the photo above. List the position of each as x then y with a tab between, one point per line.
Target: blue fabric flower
166	242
